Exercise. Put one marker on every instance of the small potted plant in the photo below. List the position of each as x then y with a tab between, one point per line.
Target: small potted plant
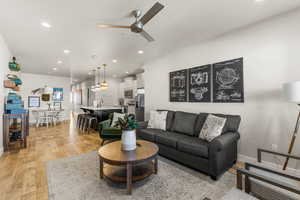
128	126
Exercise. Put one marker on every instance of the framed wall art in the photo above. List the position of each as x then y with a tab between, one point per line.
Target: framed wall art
228	81
200	84
178	86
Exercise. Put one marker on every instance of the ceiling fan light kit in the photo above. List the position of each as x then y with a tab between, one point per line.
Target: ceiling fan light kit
140	22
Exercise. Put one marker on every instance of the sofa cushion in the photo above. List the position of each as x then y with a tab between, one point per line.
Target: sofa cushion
184	123
200	122
232	122
212	127
170	119
158	119
194	146
169	139
149	133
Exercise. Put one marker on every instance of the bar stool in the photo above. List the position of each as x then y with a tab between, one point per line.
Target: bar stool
89	123
80	119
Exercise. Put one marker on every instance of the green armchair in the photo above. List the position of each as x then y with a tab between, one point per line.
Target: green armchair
106	132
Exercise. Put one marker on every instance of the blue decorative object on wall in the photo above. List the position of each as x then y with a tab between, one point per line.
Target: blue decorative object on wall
58	94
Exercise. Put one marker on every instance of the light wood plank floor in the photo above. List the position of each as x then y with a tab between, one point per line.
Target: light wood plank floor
23	172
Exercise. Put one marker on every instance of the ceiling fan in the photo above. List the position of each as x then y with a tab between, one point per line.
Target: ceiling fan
138	25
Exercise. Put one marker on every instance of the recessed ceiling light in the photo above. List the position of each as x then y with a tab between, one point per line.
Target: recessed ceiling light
66	51
54	68
59	62
127	72
46	25
114	61
140	52
259	1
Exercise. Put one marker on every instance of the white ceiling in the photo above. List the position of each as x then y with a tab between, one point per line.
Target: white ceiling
73	27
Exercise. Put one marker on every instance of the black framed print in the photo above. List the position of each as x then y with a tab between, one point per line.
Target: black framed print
178	86
228	81
200	84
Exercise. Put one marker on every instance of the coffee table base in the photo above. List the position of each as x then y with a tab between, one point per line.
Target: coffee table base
119	173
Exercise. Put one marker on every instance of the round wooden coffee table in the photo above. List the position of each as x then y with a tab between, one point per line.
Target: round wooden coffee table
128	166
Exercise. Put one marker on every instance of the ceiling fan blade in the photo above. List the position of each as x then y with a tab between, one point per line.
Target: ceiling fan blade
151	13
147	36
111	26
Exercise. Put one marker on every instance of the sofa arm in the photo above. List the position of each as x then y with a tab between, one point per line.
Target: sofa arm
222	141
142	125
222	153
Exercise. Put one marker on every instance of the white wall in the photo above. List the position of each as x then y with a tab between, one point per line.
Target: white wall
4	59
34	81
271	52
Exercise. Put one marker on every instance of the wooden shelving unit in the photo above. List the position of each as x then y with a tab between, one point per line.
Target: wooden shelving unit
13	123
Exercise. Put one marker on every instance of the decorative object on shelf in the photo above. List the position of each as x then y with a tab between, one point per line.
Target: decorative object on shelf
58	94
14	104
292	94
34	101
15	79
178	86
17	89
228	81
13	65
200	84
104	84
9	84
45	97
128	126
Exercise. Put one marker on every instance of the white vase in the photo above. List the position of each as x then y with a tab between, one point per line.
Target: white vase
128	140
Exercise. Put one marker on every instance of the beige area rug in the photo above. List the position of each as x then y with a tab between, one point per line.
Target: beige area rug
77	178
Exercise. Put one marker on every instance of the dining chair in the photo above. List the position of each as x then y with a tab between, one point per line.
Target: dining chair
43	117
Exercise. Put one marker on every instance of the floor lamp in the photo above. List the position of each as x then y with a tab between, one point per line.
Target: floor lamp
292	93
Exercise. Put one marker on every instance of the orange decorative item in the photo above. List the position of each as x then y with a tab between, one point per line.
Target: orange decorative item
17	88
9	84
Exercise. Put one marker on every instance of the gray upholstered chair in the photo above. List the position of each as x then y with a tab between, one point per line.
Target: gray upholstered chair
268	183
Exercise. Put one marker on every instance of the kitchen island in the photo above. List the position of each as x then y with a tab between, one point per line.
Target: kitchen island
102	112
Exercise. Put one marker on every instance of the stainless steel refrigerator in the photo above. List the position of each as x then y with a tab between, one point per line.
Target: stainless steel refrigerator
140	104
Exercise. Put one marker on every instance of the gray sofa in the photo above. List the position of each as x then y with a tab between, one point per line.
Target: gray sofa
180	142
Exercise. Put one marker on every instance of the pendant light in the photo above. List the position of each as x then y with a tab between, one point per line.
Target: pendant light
97	79
104	84
94	86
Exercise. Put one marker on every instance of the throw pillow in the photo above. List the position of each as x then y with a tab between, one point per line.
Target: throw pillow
116	116
158	119
212	127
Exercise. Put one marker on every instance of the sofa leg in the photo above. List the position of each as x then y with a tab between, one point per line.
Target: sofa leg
102	142
215	178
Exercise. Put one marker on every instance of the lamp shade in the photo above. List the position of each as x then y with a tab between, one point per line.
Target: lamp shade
292	91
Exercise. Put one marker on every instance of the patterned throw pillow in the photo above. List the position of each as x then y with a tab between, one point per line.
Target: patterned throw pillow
116	117
158	119
212	127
